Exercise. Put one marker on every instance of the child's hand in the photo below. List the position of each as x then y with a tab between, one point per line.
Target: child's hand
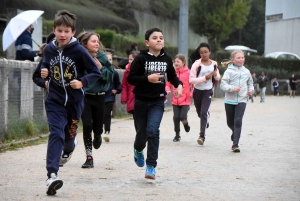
208	76
44	73
237	89
98	63
250	92
168	92
155	78
114	91
76	84
178	92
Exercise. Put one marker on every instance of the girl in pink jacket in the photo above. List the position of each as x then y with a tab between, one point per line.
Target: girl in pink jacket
203	74
181	105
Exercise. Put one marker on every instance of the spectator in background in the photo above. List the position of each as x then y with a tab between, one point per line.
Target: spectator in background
115	88
255	86
24	46
133	48
262	82
275	86
293	82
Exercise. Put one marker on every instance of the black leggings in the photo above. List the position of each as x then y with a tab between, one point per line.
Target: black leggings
107	115
92	119
234	114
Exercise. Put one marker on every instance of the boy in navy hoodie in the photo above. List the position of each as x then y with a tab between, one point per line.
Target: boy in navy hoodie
65	60
147	74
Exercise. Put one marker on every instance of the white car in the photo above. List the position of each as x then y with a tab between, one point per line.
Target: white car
283	55
245	49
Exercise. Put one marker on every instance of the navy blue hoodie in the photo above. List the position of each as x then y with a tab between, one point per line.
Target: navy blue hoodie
65	65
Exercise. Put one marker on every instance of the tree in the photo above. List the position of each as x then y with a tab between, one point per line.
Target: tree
217	19
253	33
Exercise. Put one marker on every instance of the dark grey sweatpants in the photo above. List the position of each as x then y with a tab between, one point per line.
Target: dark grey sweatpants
202	101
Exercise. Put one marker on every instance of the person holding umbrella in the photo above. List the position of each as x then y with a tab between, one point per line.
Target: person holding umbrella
24	46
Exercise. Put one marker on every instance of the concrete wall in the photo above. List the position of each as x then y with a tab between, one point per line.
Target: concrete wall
283	36
169	28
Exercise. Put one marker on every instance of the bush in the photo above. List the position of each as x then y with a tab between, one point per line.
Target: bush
279	68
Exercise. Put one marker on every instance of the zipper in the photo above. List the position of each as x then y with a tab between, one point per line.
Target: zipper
62	76
237	96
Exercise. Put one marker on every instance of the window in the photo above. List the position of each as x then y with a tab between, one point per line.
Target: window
275	17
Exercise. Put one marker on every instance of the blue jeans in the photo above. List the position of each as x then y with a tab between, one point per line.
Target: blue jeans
147	119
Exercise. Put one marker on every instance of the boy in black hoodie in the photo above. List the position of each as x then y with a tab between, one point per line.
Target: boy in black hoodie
66	61
147	74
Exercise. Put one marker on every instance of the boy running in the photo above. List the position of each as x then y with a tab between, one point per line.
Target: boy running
147	74
65	60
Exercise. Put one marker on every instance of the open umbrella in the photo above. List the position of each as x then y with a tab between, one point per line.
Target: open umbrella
17	25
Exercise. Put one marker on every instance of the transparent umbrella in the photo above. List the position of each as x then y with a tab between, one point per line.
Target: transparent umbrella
17	25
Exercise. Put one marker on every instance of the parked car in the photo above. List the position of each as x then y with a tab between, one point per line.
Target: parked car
283	55
246	50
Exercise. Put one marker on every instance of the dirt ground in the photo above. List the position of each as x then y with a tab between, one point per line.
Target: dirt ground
267	168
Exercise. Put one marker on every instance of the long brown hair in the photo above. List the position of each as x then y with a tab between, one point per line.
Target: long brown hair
84	37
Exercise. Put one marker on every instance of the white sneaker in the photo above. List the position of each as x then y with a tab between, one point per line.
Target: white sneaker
65	157
106	136
53	184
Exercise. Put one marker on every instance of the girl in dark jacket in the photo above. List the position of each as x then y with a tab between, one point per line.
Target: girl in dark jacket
110	98
94	100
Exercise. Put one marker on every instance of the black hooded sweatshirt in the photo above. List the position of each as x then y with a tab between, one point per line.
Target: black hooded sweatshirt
146	64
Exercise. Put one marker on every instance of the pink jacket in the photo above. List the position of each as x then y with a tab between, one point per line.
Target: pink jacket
127	95
183	75
194	79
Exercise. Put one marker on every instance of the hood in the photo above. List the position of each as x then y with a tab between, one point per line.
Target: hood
185	68
146	52
233	67
71	44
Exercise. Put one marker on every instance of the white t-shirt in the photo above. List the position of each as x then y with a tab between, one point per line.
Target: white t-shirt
204	71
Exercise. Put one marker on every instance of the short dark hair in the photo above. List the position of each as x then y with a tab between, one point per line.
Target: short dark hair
66	18
150	31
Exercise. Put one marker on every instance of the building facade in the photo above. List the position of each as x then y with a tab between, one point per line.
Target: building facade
282	26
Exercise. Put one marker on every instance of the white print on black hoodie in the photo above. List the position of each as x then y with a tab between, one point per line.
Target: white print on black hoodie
146	64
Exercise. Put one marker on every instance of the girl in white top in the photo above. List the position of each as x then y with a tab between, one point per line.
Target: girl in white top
203	74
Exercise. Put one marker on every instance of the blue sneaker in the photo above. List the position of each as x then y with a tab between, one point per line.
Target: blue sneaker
139	158
150	172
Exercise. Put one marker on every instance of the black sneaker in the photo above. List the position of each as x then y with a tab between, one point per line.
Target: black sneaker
89	163
66	156
97	142
186	127
235	149
177	138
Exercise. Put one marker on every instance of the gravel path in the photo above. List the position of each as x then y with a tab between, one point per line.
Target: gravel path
267	168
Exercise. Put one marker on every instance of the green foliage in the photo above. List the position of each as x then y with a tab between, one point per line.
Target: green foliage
279	68
90	13
47	26
24	128
253	33
219	18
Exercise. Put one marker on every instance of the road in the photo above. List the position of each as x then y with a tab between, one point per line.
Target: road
267	168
